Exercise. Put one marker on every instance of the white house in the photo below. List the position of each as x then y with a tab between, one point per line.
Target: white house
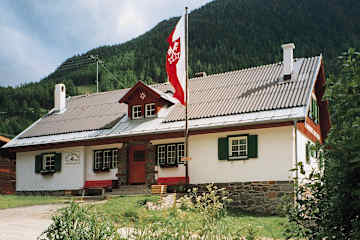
247	129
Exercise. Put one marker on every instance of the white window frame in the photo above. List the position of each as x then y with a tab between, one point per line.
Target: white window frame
238	148
98	159
107	159
49	162
115	158
161	154
150	110
136	112
180	148
171	154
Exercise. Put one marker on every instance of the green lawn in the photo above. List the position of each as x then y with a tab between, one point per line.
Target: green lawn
11	201
129	211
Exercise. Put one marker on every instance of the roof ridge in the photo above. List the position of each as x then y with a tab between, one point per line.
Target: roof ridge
250	68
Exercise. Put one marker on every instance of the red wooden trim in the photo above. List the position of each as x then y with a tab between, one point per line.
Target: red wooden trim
147	137
301	127
172	180
98	183
128	95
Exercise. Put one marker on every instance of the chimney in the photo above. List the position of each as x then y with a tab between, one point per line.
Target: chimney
60	97
288	51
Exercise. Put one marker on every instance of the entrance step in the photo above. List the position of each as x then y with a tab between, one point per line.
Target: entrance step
131	190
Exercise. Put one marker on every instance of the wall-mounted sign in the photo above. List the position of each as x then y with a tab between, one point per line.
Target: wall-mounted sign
72	158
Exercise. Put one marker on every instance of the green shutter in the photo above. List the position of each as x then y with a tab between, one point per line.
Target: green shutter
57	162
252	146
223	148
38	163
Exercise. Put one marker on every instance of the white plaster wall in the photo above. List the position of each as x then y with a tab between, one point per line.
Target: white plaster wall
89	156
301	148
71	177
275	158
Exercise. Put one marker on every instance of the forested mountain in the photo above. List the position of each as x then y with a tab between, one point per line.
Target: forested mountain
223	35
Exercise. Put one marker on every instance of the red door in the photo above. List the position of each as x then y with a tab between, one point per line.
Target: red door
137	159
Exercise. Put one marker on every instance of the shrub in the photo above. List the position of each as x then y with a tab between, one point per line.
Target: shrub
328	204
79	223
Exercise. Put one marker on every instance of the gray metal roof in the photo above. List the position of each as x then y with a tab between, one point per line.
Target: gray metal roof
249	90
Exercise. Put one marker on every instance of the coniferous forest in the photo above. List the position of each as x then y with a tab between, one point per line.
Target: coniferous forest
224	35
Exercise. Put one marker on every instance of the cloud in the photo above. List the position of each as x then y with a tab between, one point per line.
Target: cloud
39	35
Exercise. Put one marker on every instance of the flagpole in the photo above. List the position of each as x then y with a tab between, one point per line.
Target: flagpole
187	99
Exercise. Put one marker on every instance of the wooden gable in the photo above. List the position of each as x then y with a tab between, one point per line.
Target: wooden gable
141	94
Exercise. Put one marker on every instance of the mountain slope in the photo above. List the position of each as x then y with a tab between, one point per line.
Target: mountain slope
223	35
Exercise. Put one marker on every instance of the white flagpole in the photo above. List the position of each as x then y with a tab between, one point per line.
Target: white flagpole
187	99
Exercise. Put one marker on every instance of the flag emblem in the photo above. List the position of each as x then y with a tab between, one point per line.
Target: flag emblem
174	51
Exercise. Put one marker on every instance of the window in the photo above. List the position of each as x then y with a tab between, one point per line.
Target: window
161	154
46	163
150	110
49	162
314	111
180	152
239	147
170	155
137	112
115	158
105	159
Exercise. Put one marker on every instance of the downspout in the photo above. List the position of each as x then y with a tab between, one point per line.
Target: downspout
296	182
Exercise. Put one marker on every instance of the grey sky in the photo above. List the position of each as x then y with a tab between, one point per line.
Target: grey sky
37	36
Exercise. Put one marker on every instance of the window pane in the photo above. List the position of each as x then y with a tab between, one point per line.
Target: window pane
180	152
171	154
139	156
161	150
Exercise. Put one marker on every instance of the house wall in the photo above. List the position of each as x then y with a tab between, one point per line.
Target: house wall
256	184
275	158
71	176
98	176
302	140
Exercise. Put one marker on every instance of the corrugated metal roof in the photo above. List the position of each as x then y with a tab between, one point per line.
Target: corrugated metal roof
249	90
83	113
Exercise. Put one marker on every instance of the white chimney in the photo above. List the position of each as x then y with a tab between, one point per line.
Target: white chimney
60	97
288	58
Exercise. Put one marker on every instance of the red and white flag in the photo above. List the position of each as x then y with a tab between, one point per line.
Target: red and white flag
175	60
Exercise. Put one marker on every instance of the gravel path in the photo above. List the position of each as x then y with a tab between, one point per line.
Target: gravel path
26	223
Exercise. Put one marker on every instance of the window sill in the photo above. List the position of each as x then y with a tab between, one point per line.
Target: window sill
169	166
47	172
237	158
102	170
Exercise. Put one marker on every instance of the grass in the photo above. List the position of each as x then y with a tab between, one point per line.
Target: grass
12	201
130	210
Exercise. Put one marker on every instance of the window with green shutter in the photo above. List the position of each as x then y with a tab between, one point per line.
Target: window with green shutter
238	147
46	163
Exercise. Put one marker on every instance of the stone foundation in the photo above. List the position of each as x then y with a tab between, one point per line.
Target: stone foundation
259	197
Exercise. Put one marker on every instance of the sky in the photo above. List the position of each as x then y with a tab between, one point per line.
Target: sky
37	36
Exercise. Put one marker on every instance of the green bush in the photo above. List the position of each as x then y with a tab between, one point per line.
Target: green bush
79	223
328	204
